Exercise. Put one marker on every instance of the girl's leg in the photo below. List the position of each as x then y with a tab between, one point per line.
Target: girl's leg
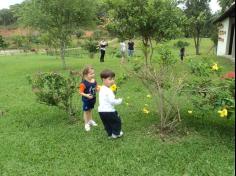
86	118
86	121
91	121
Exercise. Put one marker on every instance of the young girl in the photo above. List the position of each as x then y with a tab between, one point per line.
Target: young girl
87	89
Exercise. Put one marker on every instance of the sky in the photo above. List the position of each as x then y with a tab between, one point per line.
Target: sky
6	3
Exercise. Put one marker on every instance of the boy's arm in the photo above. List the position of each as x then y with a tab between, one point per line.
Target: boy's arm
112	100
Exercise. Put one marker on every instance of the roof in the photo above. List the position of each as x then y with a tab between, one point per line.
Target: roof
228	13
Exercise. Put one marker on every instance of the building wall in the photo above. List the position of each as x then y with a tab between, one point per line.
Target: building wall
224	32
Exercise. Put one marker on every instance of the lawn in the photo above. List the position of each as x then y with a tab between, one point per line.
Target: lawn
39	140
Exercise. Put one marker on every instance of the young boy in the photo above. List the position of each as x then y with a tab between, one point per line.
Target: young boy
109	116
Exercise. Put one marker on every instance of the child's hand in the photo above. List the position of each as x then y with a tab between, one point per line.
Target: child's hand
120	100
89	96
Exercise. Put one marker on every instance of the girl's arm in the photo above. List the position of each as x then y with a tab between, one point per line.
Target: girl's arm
81	91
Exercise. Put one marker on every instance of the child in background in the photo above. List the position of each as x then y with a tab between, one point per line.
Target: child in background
87	89
109	116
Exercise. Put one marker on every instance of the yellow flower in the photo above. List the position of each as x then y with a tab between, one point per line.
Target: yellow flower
113	88
215	67
223	113
190	112
146	111
149	96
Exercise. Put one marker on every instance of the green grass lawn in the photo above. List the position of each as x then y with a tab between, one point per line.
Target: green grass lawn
39	140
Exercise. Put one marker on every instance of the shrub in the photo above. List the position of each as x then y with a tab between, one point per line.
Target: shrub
209	91
91	46
53	89
3	44
79	33
164	86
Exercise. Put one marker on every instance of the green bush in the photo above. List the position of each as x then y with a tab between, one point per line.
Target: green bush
91	46
53	89
208	90
3	44
79	33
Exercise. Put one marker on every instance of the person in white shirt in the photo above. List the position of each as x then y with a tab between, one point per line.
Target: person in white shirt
107	102
123	51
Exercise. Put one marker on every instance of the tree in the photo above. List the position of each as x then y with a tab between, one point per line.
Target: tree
225	4
7	17
150	19
197	12
58	18
3	44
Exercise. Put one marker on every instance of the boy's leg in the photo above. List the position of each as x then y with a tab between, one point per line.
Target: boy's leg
105	120
115	123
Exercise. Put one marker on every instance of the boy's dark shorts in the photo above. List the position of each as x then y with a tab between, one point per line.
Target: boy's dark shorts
89	105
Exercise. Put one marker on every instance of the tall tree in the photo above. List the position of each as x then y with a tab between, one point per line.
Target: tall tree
198	13
148	19
7	17
59	18
225	4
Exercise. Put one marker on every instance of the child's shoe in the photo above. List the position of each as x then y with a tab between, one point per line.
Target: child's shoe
92	123
117	136
87	127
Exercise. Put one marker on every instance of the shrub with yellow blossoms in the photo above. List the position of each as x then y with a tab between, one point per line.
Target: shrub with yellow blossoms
215	67
146	111
223	113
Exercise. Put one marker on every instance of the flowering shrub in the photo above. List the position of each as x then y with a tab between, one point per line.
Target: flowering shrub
164	87
210	92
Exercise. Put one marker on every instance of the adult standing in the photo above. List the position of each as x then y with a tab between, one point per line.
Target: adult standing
182	53
130	48
103	44
123	51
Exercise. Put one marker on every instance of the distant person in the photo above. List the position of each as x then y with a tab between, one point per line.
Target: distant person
123	51
102	45
182	53
130	48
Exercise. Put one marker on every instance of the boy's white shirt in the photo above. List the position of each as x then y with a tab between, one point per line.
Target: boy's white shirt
107	100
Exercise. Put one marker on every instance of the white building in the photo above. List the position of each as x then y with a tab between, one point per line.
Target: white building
226	41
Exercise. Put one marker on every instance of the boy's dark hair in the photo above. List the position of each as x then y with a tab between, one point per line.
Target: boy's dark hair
107	74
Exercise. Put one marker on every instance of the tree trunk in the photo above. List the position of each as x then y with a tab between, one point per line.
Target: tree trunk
152	51
63	47
145	50
197	42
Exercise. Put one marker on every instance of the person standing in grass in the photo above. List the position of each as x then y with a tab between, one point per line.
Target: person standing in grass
103	44
87	89
123	51
109	116
130	48
182	53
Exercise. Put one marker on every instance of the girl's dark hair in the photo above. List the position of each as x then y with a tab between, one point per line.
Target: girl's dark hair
107	74
86	71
